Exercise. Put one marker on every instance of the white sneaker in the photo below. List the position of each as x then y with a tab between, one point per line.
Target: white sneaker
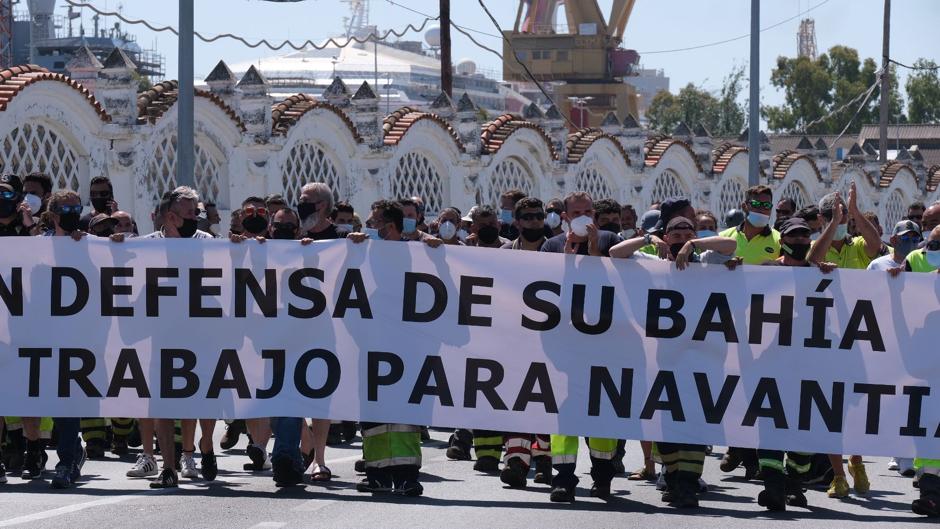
189	467
702	486
145	466
893	464
661	480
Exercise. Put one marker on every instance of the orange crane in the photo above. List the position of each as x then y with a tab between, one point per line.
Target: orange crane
584	57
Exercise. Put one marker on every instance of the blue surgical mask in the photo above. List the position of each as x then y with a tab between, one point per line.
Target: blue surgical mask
409	226
505	216
344	228
905	246
933	258
462	235
706	233
372	233
552	220
841	231
758	220
447	230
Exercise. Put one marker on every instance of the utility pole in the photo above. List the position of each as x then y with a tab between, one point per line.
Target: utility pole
885	87
447	75
185	157
753	127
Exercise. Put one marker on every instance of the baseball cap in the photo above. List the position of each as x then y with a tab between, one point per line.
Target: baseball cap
906	226
649	220
11	182
794	224
680	223
99	218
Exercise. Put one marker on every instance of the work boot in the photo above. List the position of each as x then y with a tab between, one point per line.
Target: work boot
730	460
774	495
514	473
600	490
95	448
233	431
32	465
458	450
562	495
487	464
543	470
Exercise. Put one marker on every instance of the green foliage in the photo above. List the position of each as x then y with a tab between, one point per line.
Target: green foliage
923	93
720	113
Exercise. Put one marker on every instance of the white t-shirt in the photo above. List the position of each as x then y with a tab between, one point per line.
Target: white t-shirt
884	263
706	257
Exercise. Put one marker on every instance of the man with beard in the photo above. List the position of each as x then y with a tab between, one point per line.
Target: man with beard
607	215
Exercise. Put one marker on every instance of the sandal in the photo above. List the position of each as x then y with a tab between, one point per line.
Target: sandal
642	474
321	473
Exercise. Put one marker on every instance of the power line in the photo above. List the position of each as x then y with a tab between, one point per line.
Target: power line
262	42
865	93
415	11
914	67
746	35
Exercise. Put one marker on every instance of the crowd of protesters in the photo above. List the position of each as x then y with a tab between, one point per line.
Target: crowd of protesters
831	235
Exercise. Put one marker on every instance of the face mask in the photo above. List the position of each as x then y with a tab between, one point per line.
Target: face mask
906	246
69	221
532	234
7	208
579	225
842	230
612	227
372	233
706	233
344	228
628	234
674	249
505	216
797	251
188	229
933	258
284	234
255	224
34	202
447	230
462	235
488	234
305	209
553	220
409	226
100	204
758	220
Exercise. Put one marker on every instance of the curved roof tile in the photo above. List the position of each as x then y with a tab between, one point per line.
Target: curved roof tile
723	155
287	113
891	169
497	132
581	141
154	102
785	159
656	146
933	178
14	80
399	122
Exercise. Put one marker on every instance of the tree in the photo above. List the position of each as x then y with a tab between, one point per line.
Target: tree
923	93
721	114
815	93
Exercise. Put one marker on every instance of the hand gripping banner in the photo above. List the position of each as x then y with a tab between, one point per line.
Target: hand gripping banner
781	358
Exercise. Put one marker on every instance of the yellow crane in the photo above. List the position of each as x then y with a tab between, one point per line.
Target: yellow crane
584	56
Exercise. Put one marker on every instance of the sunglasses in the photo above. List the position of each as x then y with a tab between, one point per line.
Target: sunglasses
553	210
8	195
252	210
65	210
284	226
532	216
757	204
933	246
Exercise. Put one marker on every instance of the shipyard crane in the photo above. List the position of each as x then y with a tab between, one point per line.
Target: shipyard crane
584	58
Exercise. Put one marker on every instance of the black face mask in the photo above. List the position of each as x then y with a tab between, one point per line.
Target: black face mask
69	221
7	208
796	251
532	234
100	204
188	229
612	227
305	209
255	224
674	249
488	234
104	233
284	233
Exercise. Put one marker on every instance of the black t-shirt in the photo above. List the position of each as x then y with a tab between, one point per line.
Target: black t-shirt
606	241
325	235
508	231
14	229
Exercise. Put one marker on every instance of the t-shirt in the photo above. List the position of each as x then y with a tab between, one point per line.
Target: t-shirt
764	246
706	257
508	231
606	241
325	235
160	235
15	228
851	256
884	263
517	245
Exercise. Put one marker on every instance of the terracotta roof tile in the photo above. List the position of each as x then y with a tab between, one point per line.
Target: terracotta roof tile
891	169
497	132
782	162
154	102
580	142
287	113
14	80
723	155
656	147
399	122
933	178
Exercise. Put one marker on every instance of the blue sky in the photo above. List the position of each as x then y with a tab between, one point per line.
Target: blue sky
655	25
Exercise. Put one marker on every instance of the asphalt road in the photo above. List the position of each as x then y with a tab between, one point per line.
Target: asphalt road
455	496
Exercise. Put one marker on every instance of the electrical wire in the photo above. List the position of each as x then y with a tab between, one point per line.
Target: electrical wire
473	40
913	67
725	41
415	11
262	42
524	67
866	94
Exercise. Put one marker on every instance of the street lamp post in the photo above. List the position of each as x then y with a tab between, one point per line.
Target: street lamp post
185	157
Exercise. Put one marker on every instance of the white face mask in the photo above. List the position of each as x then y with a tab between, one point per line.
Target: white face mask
933	258
33	202
447	230
553	220
462	235
842	230
344	228
580	224
628	233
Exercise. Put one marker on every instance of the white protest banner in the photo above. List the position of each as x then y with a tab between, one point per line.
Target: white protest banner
778	357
